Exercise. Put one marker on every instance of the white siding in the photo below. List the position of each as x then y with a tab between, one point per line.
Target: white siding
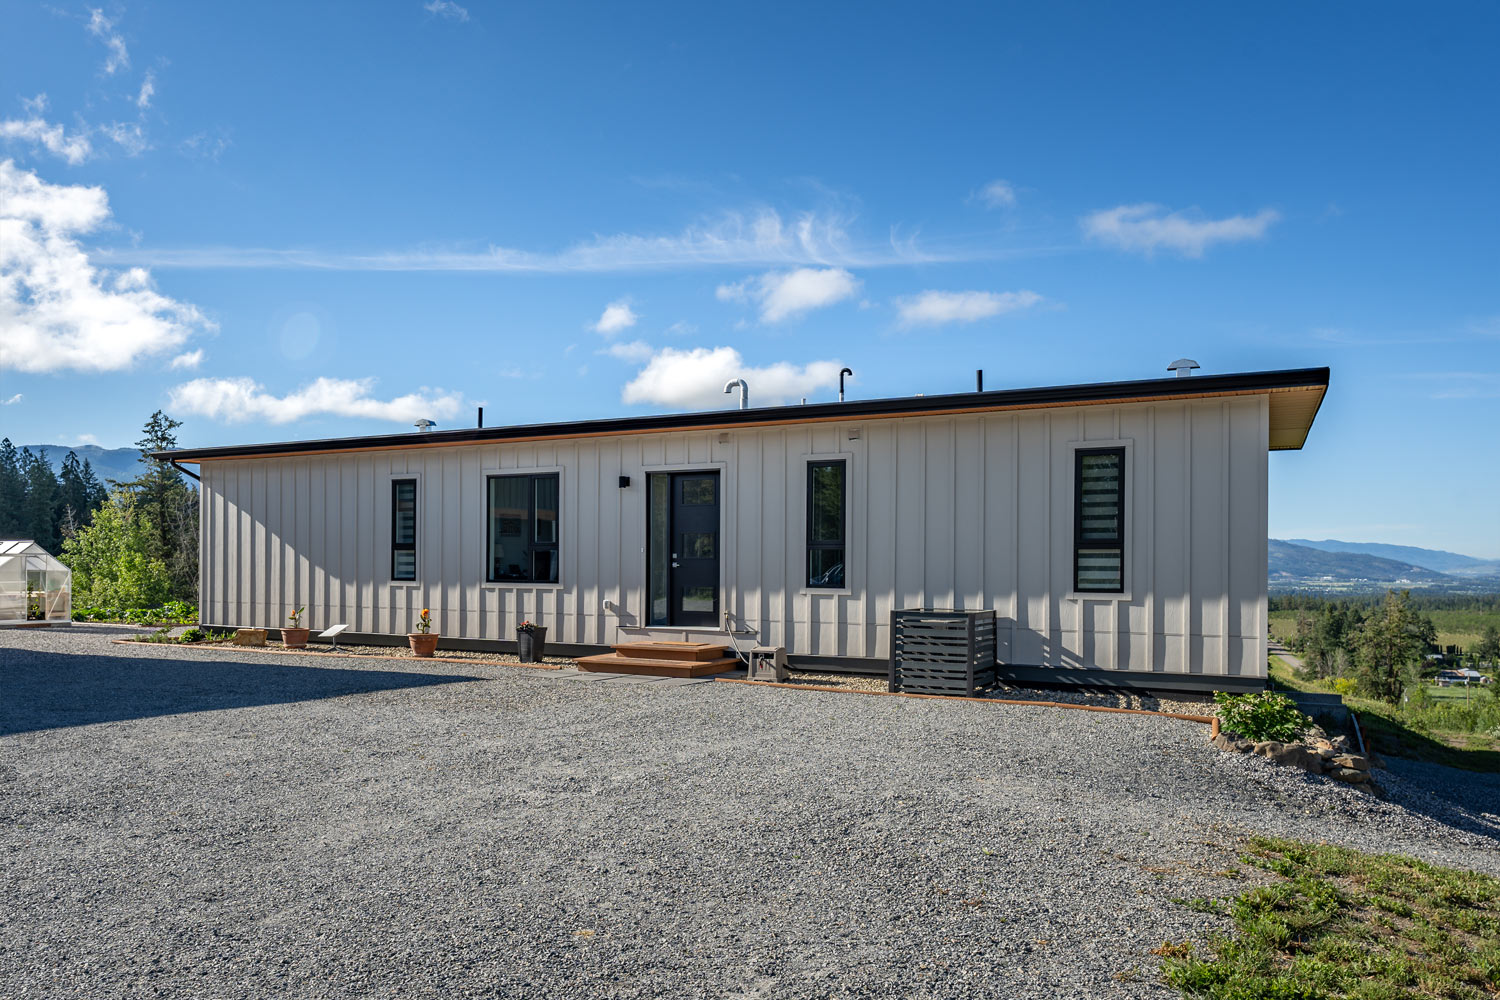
968	511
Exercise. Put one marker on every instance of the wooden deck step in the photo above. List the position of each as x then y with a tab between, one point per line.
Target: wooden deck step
614	663
672	650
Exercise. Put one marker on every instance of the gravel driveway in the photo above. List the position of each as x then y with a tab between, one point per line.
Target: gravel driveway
176	822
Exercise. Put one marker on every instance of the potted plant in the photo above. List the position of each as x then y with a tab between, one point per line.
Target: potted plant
423	640
296	636
532	642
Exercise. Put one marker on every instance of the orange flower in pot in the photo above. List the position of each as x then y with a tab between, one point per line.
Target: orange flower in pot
423	640
295	636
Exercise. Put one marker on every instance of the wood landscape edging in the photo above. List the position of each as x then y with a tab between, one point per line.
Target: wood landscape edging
230	648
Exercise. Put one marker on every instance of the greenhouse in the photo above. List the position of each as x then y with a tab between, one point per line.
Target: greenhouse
34	587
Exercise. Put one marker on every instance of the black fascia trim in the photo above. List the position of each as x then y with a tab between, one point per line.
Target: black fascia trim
1091	392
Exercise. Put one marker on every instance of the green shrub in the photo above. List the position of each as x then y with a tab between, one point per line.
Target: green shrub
1262	716
193	635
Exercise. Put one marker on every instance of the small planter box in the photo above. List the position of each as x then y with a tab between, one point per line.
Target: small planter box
532	646
942	652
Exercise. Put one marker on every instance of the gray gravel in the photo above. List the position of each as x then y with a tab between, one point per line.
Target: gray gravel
190	823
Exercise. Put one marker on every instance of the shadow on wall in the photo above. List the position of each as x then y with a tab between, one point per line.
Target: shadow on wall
50	691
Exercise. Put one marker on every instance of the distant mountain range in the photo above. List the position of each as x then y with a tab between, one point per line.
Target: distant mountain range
1300	564
108	463
1434	559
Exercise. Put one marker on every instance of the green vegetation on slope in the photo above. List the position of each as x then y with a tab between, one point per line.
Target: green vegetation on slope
1335	922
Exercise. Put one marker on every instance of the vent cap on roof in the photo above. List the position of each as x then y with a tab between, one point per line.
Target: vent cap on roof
1183	367
424	425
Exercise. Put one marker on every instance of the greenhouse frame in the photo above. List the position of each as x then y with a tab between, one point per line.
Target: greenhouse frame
35	589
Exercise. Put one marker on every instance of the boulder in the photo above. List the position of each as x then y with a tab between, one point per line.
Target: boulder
1353	761
1232	744
1291	755
250	637
1350	775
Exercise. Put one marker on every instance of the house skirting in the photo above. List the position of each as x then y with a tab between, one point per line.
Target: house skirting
1028	676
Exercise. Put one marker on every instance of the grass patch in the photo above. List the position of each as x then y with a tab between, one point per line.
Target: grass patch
1401	731
1335	922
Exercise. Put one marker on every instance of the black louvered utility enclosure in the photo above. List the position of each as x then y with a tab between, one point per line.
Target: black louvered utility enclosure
942	652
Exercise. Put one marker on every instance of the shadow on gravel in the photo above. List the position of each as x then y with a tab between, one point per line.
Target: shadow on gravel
53	690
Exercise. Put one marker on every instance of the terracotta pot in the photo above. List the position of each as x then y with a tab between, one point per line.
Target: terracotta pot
295	638
423	643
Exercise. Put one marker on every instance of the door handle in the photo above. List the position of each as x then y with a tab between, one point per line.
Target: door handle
676	565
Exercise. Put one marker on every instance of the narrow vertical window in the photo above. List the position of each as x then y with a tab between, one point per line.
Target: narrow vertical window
523	529
403	529
827	496
1099	520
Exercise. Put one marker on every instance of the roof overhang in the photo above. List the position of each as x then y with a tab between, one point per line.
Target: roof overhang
1295	396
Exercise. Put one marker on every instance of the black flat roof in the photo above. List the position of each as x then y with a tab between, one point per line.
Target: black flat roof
1301	381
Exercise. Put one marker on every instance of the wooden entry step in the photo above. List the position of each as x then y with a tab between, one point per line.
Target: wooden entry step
614	663
672	650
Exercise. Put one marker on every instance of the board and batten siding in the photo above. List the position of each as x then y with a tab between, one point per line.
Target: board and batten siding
966	511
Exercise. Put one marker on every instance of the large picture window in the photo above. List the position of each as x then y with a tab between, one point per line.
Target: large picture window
523	528
1099	520
403	529
827	498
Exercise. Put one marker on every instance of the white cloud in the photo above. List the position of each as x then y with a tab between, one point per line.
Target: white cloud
998	194
35	105
636	350
14	399
681	328
60	312
86	439
446	8
934	308
129	136
617	316
234	400
75	148
782	295
695	379
103	29
189	359
148	91
1147	228
733	239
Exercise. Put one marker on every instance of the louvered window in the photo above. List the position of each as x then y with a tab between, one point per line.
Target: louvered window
1099	520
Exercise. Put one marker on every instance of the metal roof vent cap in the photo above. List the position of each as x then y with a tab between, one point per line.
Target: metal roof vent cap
1183	367
424	425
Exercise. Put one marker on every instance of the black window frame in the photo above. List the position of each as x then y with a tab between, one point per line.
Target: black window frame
397	546
532	545
1082	545
843	540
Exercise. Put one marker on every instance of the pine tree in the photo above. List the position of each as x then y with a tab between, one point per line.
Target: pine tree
94	493
1488	650
12	492
168	506
41	511
1389	644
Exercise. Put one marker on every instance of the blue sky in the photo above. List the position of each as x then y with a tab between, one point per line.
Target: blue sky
560	211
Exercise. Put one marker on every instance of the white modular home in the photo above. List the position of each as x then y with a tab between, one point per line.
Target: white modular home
1117	530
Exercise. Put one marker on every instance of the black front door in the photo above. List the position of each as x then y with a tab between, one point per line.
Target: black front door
686	548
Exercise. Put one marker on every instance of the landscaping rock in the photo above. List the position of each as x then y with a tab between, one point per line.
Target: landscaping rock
250	637
1350	775
1353	761
1232	744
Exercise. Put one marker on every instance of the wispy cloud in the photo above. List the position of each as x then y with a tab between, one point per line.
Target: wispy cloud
58	310
617	316
189	360
997	194
202	146
53	138
446	9
696	378
783	295
1147	228
14	399
733	239
35	106
147	91
103	28
236	400
934	308
635	350
129	136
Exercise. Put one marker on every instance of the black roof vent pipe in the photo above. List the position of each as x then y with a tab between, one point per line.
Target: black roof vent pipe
979	380
842	373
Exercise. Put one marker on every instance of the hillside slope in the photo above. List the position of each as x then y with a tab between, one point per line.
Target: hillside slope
1289	561
1433	559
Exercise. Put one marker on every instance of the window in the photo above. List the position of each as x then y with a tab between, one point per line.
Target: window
1099	520
826	499
523	528
403	529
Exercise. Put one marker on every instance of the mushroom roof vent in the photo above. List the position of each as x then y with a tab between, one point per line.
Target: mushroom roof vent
1183	367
